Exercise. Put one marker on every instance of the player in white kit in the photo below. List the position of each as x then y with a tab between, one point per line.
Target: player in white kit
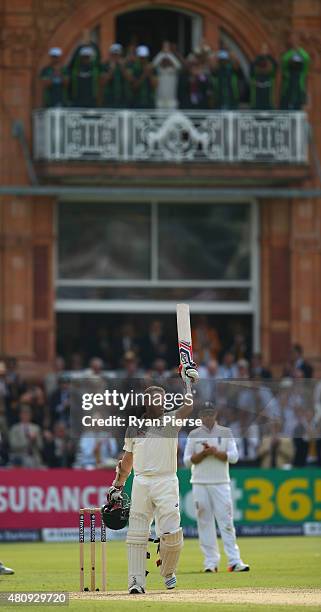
209	450
152	452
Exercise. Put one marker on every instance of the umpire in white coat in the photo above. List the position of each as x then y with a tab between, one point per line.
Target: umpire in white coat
209	450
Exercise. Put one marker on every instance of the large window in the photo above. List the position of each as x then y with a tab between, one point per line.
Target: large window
98	241
191	243
202	242
130	257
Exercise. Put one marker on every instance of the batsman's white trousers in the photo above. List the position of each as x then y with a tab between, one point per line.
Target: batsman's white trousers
214	502
158	497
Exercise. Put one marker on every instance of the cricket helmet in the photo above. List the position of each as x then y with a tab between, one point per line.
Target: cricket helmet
115	514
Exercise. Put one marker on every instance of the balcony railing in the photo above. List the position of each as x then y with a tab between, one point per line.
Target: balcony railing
162	136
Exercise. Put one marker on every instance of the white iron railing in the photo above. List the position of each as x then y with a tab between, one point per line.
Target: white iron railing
176	136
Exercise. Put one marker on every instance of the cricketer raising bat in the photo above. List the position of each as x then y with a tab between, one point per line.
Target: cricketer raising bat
184	338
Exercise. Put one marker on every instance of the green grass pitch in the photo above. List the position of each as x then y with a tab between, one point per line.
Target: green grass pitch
275	563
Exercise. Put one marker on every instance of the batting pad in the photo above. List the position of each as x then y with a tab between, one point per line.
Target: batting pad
171	545
137	539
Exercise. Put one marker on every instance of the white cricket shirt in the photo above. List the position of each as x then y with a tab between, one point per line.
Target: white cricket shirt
211	470
154	450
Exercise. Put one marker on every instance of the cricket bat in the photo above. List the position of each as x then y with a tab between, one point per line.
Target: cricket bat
184	337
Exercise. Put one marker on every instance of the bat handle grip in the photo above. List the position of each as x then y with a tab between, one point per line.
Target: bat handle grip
188	386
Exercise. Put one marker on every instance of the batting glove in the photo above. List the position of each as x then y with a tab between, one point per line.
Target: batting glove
189	373
114	494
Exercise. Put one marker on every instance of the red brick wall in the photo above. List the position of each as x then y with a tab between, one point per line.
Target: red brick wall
291	231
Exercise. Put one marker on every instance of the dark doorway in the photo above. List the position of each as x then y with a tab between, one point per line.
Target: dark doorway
152	27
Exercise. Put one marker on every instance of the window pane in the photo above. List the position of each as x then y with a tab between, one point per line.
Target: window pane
201	241
229	294
104	241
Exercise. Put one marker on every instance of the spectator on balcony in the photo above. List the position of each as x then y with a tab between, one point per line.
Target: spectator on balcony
77	362
154	344
239	348
209	375
4	442
85	79
15	384
143	78
262	80
34	397
307	439
206	340
106	451
11	388
203	52
299	363
54	78
96	368
130	60
294	69
246	398
223	81
267	404
193	85
167	69
51	379
130	366
4	389
257	369
131	53
247	436
159	372
26	441
275	450
59	401
103	345
228	369
317	400
125	339
58	450
96	451
86	41
183	88
113	79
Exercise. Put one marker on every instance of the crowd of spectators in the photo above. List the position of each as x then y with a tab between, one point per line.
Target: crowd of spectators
205	79
276	423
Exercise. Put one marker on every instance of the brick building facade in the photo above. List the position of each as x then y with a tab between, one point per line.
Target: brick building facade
290	229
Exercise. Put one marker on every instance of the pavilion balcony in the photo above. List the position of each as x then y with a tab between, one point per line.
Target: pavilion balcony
124	136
